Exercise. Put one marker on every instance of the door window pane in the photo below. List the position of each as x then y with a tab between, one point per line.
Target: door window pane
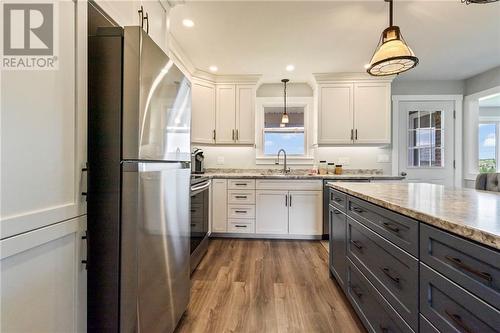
487	147
425	139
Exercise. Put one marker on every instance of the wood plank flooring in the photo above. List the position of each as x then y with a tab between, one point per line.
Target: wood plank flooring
266	286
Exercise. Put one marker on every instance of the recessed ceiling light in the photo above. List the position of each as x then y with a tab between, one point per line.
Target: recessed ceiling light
213	68
188	23
290	68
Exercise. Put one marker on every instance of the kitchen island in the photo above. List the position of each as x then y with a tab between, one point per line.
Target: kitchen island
417	257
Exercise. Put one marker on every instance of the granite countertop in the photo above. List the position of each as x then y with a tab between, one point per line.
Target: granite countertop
465	212
297	174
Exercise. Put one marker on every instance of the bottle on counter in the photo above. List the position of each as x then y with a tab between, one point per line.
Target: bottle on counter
323	167
331	168
338	169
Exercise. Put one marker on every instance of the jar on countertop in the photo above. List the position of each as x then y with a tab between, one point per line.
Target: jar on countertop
331	168
323	167
338	169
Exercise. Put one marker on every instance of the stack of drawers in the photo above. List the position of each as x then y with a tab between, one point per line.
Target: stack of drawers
241	205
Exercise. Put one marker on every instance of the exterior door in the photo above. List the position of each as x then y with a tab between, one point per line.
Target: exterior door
272	212
426	142
305	208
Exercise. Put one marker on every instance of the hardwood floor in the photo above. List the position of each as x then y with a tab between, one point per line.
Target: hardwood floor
266	286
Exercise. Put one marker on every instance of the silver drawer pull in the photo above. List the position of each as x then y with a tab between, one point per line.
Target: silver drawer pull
240	196
240	211
240	226
460	264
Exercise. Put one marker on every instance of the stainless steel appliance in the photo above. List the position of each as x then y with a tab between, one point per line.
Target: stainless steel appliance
200	186
197	161
139	156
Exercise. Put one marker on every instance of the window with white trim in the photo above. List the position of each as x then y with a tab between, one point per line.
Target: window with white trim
291	136
488	146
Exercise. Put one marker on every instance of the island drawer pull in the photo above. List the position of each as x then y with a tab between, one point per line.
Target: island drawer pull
337	199
460	264
358	210
337	212
391	227
387	272
357	244
457	319
384	329
356	291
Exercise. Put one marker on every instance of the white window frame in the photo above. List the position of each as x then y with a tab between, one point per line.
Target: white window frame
496	121
265	102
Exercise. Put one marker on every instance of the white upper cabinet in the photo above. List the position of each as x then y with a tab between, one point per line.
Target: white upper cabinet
203	113
245	114
226	113
335	113
372	113
352	111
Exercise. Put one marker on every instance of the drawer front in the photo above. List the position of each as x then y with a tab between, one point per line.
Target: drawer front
399	229
377	315
473	267
338	200
241	226
289	184
196	210
239	184
451	308
426	326
241	197
391	270
337	253
240	211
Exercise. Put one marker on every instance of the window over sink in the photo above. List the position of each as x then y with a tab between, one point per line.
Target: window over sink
277	135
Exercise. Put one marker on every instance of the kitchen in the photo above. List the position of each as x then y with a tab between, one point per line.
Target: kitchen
209	168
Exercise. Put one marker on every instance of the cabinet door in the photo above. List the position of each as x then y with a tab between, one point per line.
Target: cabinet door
225	115
338	245
372	113
219	205
157	17
245	114
203	113
122	12
335	113
305	212
271	212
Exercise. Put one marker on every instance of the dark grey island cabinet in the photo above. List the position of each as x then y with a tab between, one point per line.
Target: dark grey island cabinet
402	275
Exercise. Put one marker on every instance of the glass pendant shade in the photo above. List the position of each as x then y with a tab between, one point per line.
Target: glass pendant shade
393	55
285	119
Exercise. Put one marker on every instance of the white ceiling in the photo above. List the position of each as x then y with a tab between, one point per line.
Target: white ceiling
490	102
451	39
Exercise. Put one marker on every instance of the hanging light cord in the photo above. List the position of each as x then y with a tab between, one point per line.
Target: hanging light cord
390	12
284	97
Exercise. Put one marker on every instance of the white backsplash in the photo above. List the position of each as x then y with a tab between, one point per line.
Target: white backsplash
351	157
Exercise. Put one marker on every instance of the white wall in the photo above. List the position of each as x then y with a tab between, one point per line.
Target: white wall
427	87
483	81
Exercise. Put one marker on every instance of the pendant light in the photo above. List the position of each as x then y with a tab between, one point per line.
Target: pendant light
284	116
393	55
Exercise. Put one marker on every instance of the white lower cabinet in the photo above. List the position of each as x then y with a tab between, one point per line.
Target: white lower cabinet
268	208
219	205
43	287
305	213
271	212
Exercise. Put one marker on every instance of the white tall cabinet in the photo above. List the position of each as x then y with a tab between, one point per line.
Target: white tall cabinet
42	218
354	109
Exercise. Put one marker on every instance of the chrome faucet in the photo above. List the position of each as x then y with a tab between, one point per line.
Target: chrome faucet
285	169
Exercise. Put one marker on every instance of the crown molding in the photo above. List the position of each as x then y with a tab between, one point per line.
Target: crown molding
236	78
336	77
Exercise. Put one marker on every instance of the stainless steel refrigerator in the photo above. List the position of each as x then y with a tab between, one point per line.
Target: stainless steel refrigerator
139	113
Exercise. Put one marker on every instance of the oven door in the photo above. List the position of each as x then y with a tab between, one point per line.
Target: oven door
199	213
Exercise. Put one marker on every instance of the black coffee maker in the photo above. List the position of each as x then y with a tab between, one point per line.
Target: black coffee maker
197	164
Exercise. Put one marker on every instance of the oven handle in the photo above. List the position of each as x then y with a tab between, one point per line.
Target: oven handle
197	189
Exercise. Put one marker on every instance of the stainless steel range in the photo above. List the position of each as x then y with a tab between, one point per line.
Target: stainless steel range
200	186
